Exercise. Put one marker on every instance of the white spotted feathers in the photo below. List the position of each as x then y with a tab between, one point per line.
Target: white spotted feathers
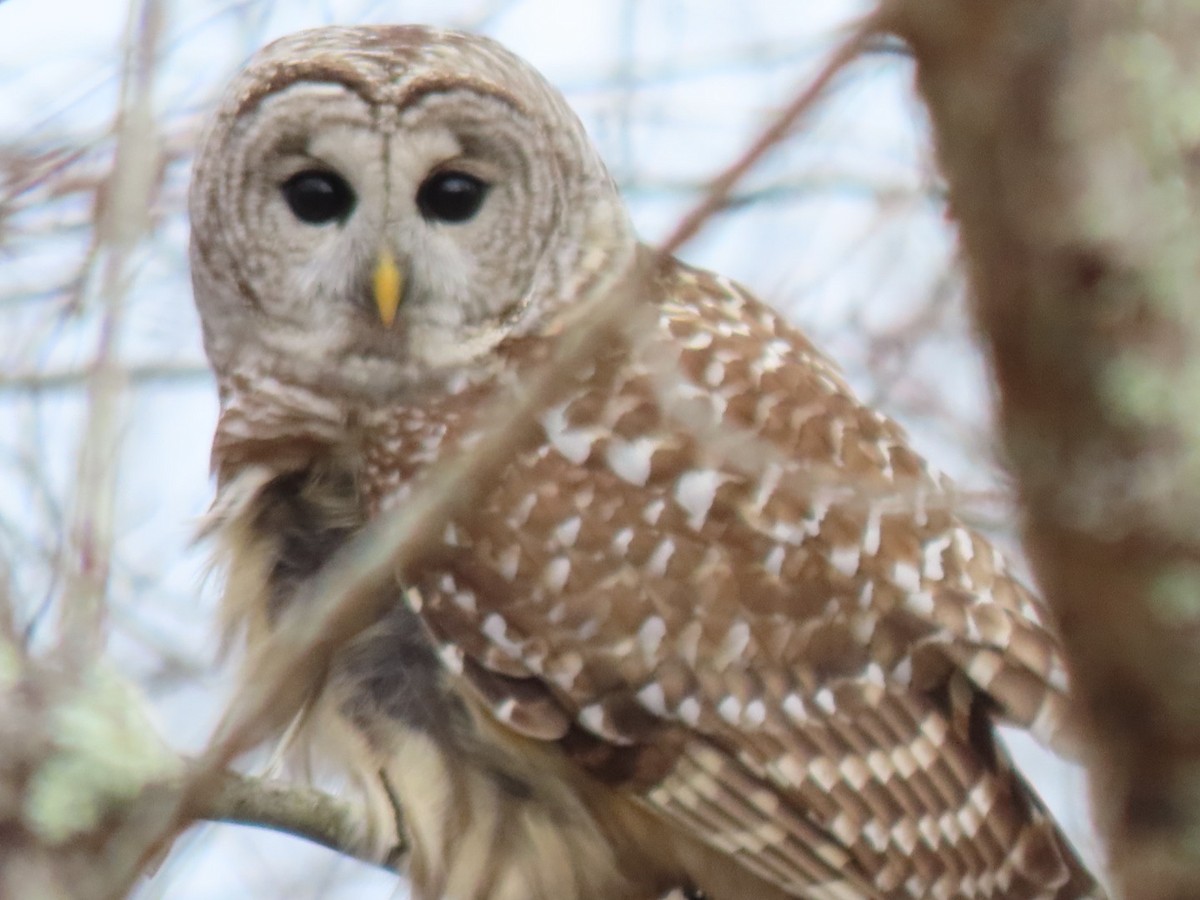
822	635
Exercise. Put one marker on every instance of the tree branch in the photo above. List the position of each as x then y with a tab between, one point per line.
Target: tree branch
1067	131
290	808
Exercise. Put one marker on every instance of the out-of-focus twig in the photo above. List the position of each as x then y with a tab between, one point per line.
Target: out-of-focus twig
32	380
121	225
716	197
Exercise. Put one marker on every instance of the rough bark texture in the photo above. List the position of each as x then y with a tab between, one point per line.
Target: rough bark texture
1069	132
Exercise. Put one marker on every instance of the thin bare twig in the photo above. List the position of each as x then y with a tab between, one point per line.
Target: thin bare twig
90	547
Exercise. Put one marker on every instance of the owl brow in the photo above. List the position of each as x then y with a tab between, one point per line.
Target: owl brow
425	88
283	78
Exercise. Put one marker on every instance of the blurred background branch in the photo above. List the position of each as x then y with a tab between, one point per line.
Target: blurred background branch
1072	173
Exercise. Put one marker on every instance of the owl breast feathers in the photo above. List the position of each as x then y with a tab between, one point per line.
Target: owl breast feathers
713	628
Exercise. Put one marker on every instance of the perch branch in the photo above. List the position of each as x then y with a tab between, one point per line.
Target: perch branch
284	806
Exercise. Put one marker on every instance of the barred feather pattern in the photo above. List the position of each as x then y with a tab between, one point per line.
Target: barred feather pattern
797	665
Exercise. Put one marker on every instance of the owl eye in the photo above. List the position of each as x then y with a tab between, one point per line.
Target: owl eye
318	197
451	196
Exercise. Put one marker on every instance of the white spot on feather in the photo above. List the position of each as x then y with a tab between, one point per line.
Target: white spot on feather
773	355
873	674
621	540
773	564
790	770
824	698
651	635
983	668
566	669
880	765
567	531
509	562
871	533
452	657
593	718
866	595
714	373
931	558
983	797
906	577
845	559
818	507
733	647
574	444
923	752
730	709
660	558
689	711
845	829
653	511
854	773
964	544
920	603
824	773
496	630
556	573
793	705
588	629
414	599
755	713
653	699
504	710
520	512
630	460
695	491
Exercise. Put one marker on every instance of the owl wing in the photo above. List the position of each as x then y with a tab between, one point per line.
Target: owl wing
776	633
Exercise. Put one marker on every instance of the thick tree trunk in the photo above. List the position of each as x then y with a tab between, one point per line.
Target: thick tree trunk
1069	132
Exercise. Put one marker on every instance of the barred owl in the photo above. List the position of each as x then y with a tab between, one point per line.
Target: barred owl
646	659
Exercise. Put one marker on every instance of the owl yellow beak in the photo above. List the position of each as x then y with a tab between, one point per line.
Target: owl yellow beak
389	288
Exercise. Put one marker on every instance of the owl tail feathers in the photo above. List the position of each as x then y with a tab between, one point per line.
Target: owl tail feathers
1042	862
473	832
1045	864
1032	699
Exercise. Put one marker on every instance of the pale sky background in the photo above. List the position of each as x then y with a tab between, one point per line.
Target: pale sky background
849	238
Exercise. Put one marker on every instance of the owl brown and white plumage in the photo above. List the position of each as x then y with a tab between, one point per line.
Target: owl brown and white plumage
713	626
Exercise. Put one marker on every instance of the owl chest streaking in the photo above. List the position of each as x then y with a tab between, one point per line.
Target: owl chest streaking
712	627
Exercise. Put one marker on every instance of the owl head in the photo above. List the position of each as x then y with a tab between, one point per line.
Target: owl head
372	206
